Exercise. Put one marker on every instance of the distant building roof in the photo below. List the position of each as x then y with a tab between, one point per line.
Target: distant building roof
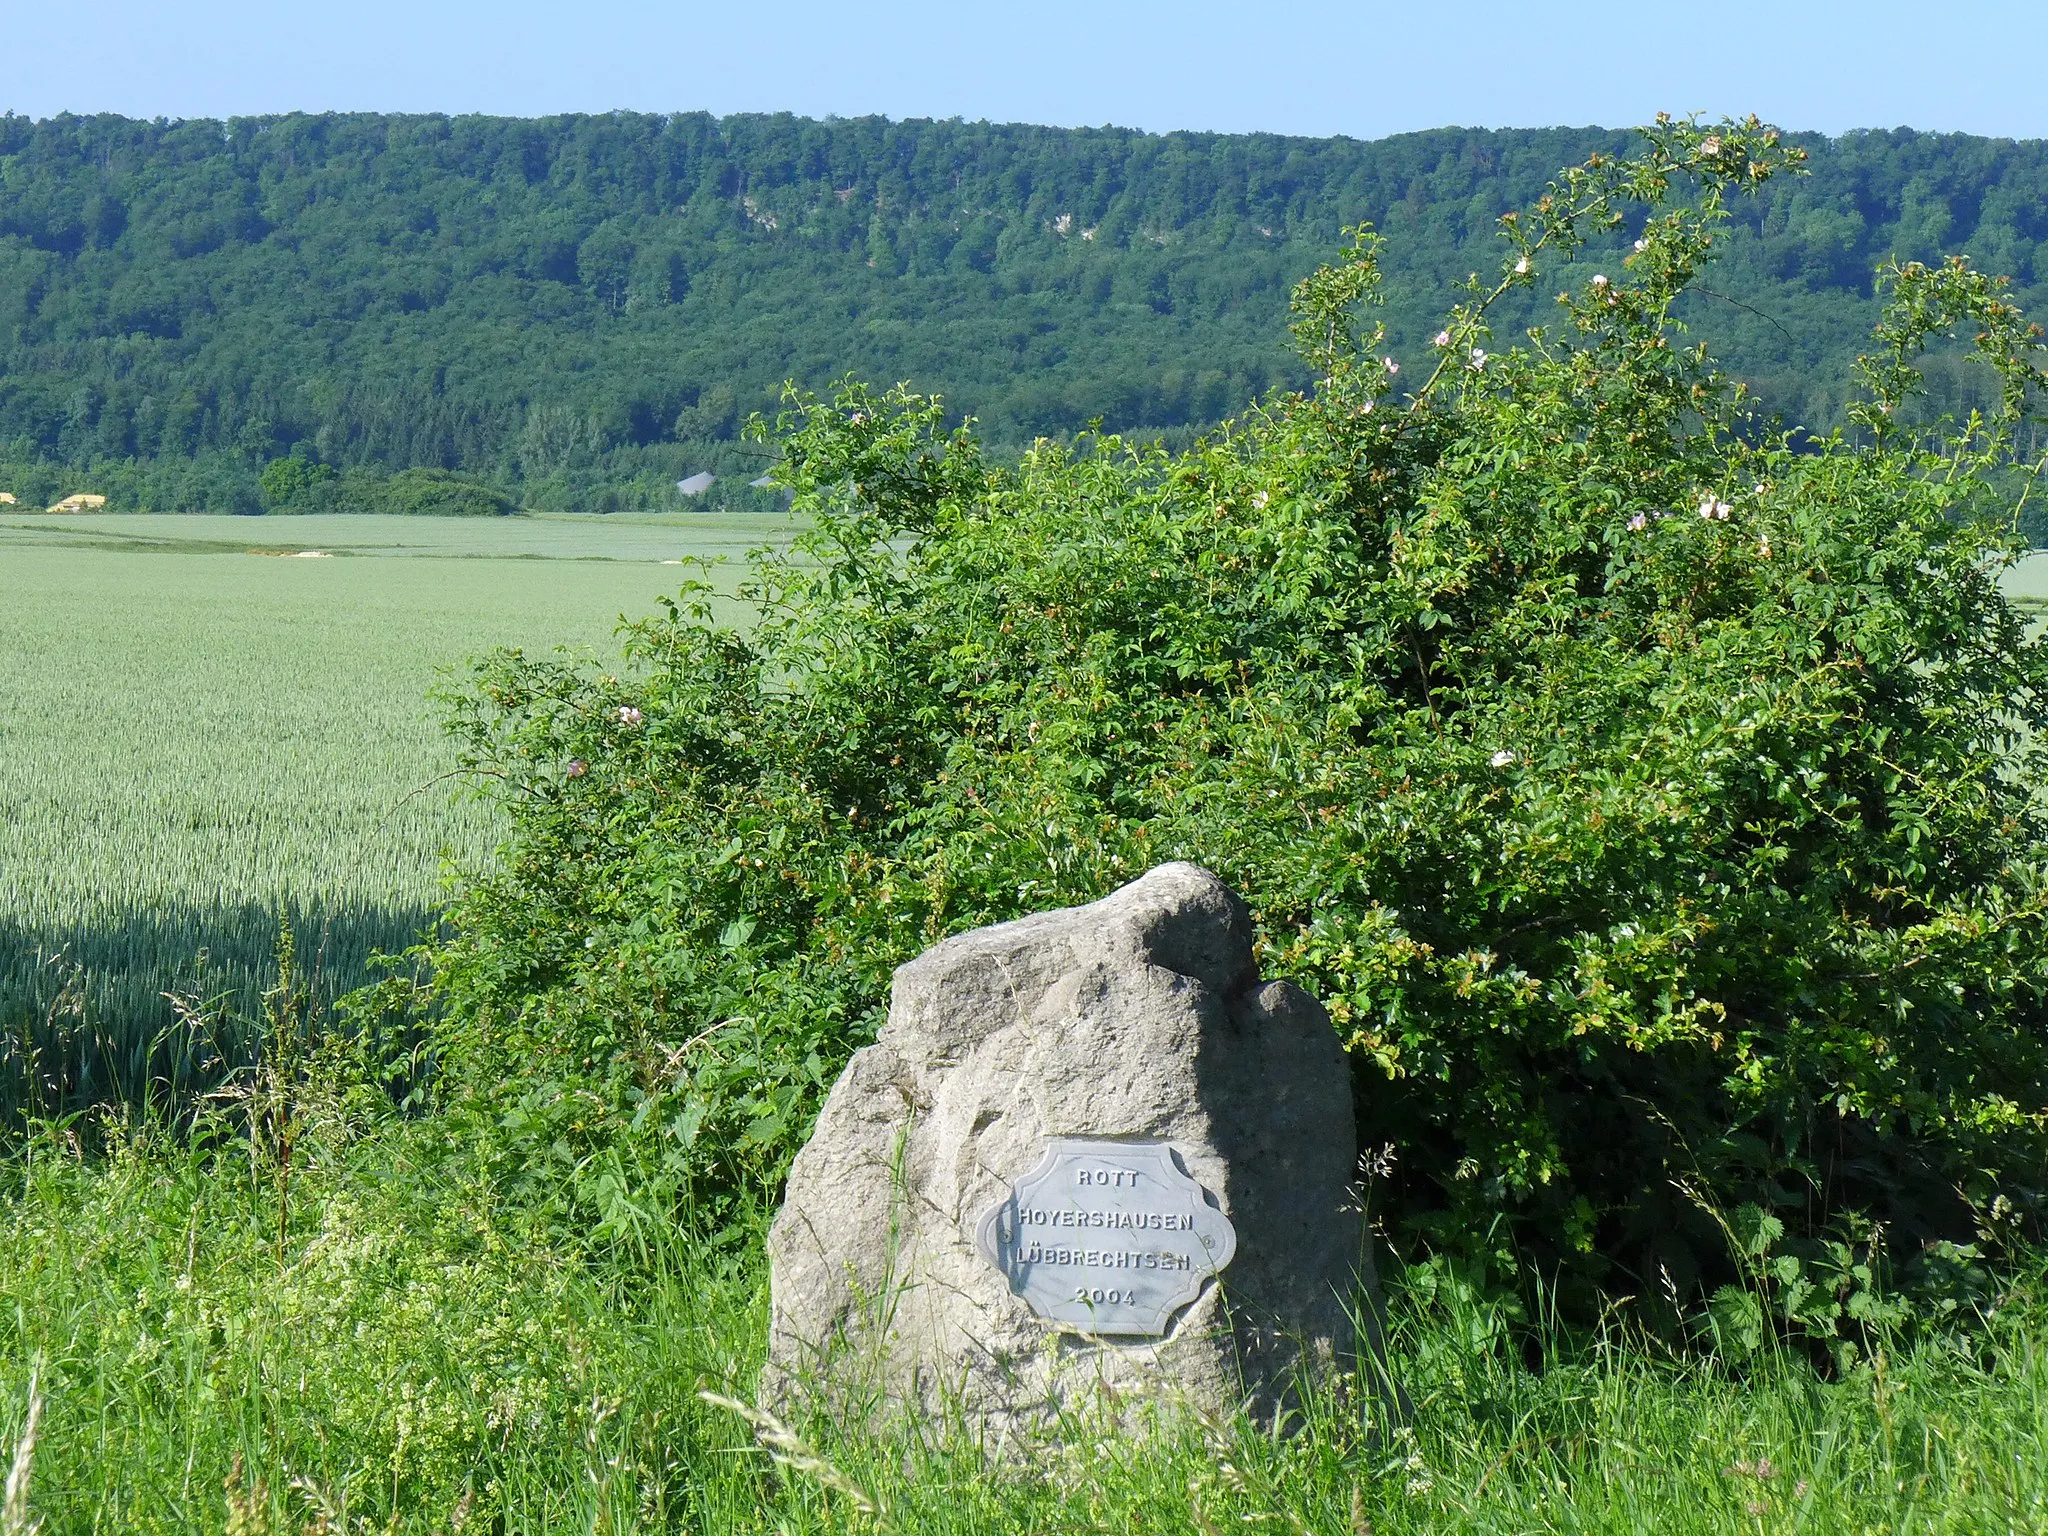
764	481
697	484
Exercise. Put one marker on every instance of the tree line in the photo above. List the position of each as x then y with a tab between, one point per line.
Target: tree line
580	310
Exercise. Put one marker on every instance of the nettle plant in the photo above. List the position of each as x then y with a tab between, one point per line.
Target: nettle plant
1651	799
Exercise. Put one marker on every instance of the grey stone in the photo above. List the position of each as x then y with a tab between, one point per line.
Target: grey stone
1138	1020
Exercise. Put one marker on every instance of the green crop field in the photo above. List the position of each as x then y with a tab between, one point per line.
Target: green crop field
2027	582
206	722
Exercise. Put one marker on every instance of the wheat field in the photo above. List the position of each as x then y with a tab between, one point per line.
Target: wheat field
207	723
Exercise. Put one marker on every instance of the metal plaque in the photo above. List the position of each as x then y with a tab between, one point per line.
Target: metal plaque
1108	1236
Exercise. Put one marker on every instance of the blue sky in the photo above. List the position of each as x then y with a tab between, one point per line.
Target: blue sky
1365	69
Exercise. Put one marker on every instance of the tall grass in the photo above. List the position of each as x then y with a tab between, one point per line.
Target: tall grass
195	743
424	1352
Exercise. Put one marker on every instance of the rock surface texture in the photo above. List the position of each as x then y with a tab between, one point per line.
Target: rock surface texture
1140	1017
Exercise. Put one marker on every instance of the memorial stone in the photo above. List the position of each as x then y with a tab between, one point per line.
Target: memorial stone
1091	1158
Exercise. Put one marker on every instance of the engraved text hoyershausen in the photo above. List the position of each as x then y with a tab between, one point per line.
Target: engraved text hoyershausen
1110	1237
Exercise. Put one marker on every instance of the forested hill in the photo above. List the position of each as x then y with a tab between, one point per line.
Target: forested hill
584	308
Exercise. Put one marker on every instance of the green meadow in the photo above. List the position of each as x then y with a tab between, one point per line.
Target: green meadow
210	723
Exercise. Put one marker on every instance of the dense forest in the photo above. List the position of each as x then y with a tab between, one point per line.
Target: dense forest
580	310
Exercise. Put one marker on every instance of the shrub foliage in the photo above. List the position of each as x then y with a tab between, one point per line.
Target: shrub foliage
1651	797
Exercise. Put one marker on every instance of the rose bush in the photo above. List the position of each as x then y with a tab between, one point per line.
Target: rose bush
1651	795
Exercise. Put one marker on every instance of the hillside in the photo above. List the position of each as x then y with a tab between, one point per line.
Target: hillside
584	308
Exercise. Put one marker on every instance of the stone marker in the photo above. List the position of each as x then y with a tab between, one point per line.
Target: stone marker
1091	1156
